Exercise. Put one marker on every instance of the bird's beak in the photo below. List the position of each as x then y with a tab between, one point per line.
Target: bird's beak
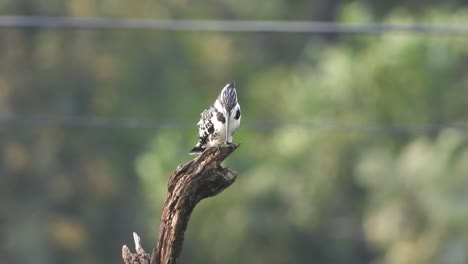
228	118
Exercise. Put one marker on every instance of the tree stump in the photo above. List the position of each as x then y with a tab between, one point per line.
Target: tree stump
198	179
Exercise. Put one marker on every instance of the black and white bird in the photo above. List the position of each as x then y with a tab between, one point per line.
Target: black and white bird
219	121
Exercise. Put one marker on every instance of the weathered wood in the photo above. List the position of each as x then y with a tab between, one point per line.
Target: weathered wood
140	257
200	178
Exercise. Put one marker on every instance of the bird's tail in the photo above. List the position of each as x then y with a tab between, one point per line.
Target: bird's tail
197	150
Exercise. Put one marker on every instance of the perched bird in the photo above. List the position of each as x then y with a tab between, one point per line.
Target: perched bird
219	121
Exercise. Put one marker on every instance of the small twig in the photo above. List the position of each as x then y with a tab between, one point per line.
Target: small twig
138	248
140	257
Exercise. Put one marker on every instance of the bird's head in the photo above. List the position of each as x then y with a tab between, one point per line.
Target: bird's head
228	96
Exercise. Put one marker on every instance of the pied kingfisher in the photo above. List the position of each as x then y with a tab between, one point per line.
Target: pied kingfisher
219	121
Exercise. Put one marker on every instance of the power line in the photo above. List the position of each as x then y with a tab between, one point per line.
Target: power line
135	123
48	22
90	122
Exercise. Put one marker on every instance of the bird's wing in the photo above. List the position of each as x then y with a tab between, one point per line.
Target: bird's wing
206	114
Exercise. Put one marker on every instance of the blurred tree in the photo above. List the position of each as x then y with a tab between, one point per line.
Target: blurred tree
417	211
306	191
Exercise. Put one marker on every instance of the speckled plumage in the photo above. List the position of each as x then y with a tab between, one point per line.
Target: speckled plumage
219	121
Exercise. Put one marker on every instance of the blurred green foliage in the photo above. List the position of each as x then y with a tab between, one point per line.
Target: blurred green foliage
338	181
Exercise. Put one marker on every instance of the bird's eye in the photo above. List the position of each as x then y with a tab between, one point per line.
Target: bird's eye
238	113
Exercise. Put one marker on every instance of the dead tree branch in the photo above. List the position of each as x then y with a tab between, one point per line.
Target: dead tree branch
200	178
140	257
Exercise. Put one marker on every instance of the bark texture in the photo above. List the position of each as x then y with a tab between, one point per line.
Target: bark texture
200	178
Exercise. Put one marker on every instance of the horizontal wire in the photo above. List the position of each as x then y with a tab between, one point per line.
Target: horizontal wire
49	22
135	123
90	122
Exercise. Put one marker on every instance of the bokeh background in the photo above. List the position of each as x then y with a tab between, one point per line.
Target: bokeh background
354	147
